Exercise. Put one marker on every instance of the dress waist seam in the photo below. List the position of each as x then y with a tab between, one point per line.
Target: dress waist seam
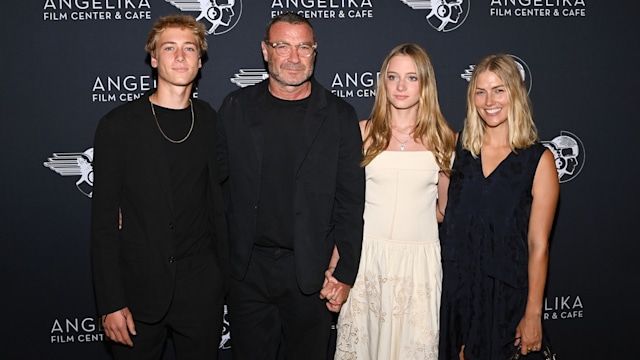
382	239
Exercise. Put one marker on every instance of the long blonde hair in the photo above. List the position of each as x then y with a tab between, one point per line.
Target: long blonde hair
431	127
522	129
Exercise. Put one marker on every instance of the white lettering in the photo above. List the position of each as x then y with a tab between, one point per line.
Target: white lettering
88	324
56	326
343	93
134	15
128	83
539	3
321	4
574	12
90	337
129	97
367	79
360	13
96	4
366	93
60	339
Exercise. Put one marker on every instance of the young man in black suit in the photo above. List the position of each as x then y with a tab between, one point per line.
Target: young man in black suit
160	270
289	155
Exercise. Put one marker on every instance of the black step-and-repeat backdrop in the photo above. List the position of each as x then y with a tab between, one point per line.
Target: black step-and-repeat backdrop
65	63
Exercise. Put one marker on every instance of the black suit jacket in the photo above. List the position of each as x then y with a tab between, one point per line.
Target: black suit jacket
136	266
328	187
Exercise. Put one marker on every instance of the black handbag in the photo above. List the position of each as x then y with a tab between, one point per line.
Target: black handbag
545	352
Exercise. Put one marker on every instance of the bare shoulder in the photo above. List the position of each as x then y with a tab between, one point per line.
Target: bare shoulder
546	176
547	163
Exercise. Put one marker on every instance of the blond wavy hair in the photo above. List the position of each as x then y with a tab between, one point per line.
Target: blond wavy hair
432	130
176	21
522	130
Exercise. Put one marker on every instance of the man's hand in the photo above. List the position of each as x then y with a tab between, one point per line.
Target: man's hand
334	291
118	325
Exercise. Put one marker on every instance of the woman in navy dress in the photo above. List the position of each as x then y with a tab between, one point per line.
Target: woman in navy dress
501	205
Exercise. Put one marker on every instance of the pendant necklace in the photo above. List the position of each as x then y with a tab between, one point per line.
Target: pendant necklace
153	111
402	143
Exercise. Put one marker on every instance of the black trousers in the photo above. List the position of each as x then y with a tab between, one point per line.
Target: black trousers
194	319
268	307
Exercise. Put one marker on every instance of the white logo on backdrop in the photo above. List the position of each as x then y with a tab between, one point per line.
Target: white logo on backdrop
120	88
221	15
563	307
355	85
96	10
525	72
324	9
538	8
74	164
76	330
89	329
248	77
568	152
444	15
225	339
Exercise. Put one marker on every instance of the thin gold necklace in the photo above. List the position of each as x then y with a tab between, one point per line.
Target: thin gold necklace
153	111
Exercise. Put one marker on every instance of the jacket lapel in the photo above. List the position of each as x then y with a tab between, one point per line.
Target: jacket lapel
256	113
314	118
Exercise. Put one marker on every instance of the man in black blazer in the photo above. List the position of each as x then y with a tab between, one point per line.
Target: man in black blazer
289	155
155	174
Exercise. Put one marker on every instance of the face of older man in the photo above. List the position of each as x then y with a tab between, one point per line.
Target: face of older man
290	70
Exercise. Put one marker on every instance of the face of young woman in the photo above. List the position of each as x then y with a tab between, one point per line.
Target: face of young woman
402	84
491	99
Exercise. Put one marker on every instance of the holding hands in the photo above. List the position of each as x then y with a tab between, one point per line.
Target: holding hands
335	292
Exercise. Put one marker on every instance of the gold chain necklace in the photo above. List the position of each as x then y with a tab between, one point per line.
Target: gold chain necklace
153	111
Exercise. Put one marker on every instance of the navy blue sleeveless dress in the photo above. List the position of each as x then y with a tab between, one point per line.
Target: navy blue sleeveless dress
485	255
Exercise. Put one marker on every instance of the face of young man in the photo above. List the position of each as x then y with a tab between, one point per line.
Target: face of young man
292	69
177	57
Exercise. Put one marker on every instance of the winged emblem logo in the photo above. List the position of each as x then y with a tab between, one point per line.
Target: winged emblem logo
444	15
74	164
248	77
221	15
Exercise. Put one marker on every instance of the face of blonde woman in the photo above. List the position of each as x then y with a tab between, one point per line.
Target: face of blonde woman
402	83
491	99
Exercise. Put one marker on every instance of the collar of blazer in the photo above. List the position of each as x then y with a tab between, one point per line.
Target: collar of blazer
255	102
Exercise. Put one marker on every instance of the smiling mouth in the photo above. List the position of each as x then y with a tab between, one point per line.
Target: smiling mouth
493	111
